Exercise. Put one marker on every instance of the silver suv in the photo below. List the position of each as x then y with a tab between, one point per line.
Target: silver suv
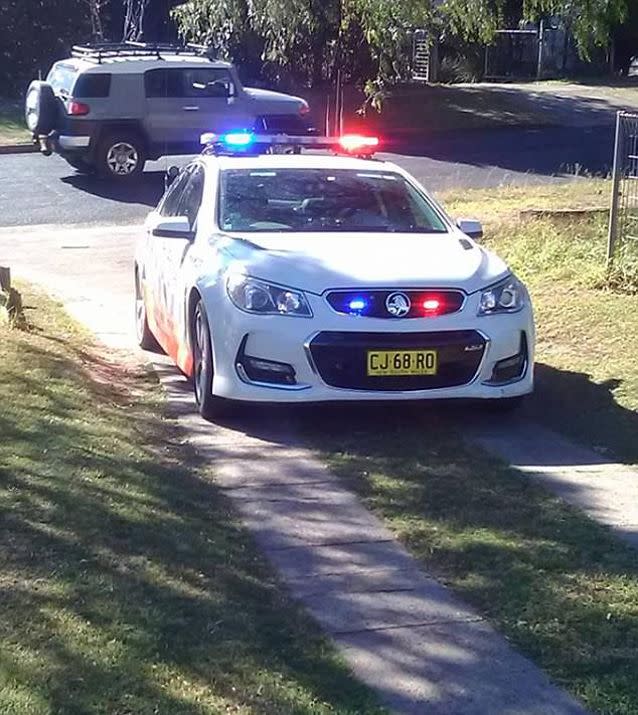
110	107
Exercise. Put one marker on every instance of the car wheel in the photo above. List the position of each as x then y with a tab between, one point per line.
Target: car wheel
40	108
145	338
209	406
121	156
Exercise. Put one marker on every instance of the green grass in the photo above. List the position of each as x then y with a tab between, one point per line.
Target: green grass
127	585
587	369
558	586
12	127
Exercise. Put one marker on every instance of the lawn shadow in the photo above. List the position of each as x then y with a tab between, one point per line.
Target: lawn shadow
124	575
572	403
560	586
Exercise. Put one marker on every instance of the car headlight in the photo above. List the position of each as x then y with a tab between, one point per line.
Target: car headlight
255	296
508	296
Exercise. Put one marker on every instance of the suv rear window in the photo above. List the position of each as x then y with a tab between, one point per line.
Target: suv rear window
92	86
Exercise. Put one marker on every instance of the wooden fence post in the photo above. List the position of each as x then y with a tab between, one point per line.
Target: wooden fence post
5	279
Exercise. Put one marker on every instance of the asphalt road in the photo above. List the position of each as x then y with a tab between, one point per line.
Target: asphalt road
35	190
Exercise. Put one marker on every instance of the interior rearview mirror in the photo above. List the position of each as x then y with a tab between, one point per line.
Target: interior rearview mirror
173	227
471	227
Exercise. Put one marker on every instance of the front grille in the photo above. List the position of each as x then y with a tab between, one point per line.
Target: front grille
374	303
341	358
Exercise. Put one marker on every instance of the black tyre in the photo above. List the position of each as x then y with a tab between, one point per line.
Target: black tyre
210	407
121	156
145	338
41	108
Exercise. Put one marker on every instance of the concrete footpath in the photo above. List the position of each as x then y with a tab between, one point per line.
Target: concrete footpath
409	638
606	491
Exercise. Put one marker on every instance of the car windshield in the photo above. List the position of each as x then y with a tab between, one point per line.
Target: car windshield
310	200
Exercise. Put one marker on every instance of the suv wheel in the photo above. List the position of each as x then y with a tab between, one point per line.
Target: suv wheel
40	108
121	156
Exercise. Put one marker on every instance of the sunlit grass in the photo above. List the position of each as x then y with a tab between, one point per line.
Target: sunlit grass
12	126
558	586
126	583
587	320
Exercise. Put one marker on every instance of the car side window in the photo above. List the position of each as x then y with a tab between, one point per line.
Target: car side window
208	82
164	83
92	86
170	206
191	198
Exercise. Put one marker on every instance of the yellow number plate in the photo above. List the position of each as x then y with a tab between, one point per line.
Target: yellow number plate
384	363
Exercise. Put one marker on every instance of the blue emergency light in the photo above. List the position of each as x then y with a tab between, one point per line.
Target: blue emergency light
237	139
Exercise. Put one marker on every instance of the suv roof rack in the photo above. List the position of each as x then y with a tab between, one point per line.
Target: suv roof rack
97	51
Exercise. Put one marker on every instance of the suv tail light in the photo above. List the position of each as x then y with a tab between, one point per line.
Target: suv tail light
78	109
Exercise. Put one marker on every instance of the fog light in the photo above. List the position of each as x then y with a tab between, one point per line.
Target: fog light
511	368
259	370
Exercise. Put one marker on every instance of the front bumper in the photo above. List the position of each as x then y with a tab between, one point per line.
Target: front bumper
327	354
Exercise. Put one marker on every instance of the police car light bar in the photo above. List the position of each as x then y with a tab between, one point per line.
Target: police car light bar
241	141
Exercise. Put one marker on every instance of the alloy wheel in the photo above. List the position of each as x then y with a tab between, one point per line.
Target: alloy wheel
122	159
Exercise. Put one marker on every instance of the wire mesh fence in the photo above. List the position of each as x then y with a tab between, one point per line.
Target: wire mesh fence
623	220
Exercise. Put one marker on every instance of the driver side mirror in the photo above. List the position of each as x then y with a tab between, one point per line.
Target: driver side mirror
471	227
172	173
173	227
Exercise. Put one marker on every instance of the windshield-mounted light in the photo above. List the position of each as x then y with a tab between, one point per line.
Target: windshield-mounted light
258	297
507	296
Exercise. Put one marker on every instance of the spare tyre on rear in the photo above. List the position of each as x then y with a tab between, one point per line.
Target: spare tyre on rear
40	108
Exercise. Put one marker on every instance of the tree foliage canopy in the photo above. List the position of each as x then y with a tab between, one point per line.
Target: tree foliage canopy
309	38
32	34
591	22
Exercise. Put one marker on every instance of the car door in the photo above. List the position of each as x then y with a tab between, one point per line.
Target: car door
166	115
183	103
157	255
175	252
216	103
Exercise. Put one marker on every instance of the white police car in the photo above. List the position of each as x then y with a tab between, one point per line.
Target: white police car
301	277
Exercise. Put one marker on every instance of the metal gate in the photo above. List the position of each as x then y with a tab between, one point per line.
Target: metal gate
421	56
623	218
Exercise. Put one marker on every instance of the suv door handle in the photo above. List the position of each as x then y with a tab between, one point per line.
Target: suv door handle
191	109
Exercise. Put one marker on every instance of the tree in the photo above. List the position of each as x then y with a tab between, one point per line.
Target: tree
95	8
309	39
32	37
591	22
134	19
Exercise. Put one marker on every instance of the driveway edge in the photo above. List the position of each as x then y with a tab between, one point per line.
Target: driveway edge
6	149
